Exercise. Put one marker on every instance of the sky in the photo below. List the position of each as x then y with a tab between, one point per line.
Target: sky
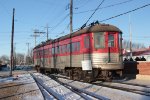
33	15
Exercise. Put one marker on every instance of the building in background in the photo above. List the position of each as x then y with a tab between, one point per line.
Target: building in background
145	52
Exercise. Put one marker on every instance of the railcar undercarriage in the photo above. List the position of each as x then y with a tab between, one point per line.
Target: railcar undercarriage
76	73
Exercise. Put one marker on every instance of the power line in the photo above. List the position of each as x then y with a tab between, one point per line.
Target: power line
54	27
93	13
125	12
18	32
118	15
63	30
60	22
105	6
82	5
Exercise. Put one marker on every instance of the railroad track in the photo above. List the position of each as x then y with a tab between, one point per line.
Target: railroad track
45	92
129	87
16	90
85	95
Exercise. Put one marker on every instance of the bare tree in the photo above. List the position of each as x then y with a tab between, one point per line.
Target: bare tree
19	58
29	57
4	59
126	45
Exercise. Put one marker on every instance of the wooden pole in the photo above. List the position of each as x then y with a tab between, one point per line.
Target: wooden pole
12	44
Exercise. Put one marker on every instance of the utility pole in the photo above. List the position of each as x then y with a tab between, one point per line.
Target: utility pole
71	30
12	42
130	36
28	47
47	30
35	35
14	64
71	15
28	57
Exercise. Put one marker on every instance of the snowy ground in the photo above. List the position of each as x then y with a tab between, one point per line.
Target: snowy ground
112	94
61	92
23	87
20	87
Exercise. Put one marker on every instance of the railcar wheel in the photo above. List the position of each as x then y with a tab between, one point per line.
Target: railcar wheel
71	74
96	72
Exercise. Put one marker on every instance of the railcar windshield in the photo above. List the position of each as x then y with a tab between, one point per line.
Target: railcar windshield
111	40
99	40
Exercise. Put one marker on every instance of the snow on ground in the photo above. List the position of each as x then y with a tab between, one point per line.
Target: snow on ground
58	90
8	79
19	87
30	91
135	81
112	94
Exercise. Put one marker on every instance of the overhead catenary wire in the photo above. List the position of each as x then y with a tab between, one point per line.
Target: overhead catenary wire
63	30
59	22
82	5
54	27
93	13
120	14
120	3
126	12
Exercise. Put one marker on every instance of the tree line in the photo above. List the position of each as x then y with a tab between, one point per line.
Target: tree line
19	59
126	45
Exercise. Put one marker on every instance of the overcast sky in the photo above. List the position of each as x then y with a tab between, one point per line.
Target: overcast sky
35	14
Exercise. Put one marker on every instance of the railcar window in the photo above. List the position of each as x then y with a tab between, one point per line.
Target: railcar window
60	49
41	52
99	40
64	49
52	50
75	46
86	41
78	46
68	48
49	51
57	50
111	40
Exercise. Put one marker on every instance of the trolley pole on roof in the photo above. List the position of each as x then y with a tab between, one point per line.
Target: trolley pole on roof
12	44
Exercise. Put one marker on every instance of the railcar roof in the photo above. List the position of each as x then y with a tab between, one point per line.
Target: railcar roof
94	28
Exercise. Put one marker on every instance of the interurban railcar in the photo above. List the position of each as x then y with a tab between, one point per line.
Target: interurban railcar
95	51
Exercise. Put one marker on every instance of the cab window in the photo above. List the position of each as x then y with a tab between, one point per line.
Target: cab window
99	40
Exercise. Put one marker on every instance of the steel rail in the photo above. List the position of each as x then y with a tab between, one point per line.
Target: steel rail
141	92
80	91
40	85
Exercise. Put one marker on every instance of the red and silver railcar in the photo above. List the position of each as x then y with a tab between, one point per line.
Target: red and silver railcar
95	51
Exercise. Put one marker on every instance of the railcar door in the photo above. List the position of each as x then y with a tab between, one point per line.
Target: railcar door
112	46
